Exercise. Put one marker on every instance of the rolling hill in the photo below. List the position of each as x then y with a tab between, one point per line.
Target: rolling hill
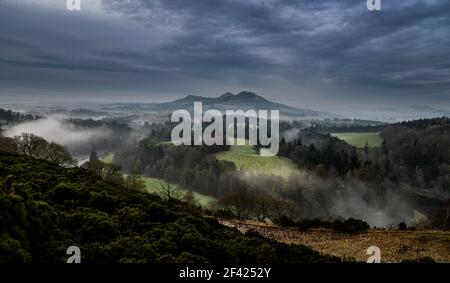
244	100
248	160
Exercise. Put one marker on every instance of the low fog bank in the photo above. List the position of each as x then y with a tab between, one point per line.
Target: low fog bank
315	197
54	129
78	141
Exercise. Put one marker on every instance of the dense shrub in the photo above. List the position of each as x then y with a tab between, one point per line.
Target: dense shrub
402	226
284	221
39	220
351	226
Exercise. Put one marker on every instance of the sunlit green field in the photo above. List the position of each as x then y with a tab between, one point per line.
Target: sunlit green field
108	158
246	159
359	139
153	186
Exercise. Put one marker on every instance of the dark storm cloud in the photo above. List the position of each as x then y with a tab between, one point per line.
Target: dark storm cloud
406	45
337	49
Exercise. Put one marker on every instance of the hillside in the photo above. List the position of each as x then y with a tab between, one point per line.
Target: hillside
396	246
244	100
359	139
45	208
246	159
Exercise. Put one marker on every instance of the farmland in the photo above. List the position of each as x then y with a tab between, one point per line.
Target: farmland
153	185
359	139
247	159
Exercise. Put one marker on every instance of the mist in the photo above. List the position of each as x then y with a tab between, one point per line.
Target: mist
318	197
56	129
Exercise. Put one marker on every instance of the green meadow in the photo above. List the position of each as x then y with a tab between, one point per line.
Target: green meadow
153	186
359	139
108	158
247	159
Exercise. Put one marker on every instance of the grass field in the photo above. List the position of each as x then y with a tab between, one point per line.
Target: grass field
359	139
108	158
248	160
153	186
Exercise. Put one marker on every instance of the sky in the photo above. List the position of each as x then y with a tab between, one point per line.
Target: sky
313	54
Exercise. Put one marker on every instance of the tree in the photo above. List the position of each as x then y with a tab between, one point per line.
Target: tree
134	182
111	173
95	166
189	198
93	156
168	192
37	147
238	203
31	145
107	171
440	218
58	154
265	205
402	226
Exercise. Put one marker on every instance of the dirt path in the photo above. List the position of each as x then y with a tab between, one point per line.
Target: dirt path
395	245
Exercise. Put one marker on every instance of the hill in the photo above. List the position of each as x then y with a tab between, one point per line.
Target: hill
45	208
396	246
248	160
244	100
359	139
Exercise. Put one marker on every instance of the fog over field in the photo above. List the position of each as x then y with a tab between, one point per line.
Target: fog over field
56	130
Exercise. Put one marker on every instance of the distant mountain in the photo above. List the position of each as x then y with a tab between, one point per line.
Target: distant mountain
402	113
427	111
244	100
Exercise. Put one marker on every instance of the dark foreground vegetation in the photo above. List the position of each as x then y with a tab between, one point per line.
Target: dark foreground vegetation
45	208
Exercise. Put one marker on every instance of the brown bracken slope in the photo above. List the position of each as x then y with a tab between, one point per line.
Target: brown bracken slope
395	246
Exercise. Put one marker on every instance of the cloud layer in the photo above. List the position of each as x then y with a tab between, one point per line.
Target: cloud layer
306	52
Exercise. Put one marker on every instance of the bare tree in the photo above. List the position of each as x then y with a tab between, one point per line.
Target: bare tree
265	205
240	204
168	192
58	154
31	145
37	147
111	173
107	171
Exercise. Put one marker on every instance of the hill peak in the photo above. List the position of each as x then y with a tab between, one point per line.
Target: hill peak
247	95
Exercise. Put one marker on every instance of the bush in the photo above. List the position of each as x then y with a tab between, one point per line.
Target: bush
350	226
253	233
284	221
402	226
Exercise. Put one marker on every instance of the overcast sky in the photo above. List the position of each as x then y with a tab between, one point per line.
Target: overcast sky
318	54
